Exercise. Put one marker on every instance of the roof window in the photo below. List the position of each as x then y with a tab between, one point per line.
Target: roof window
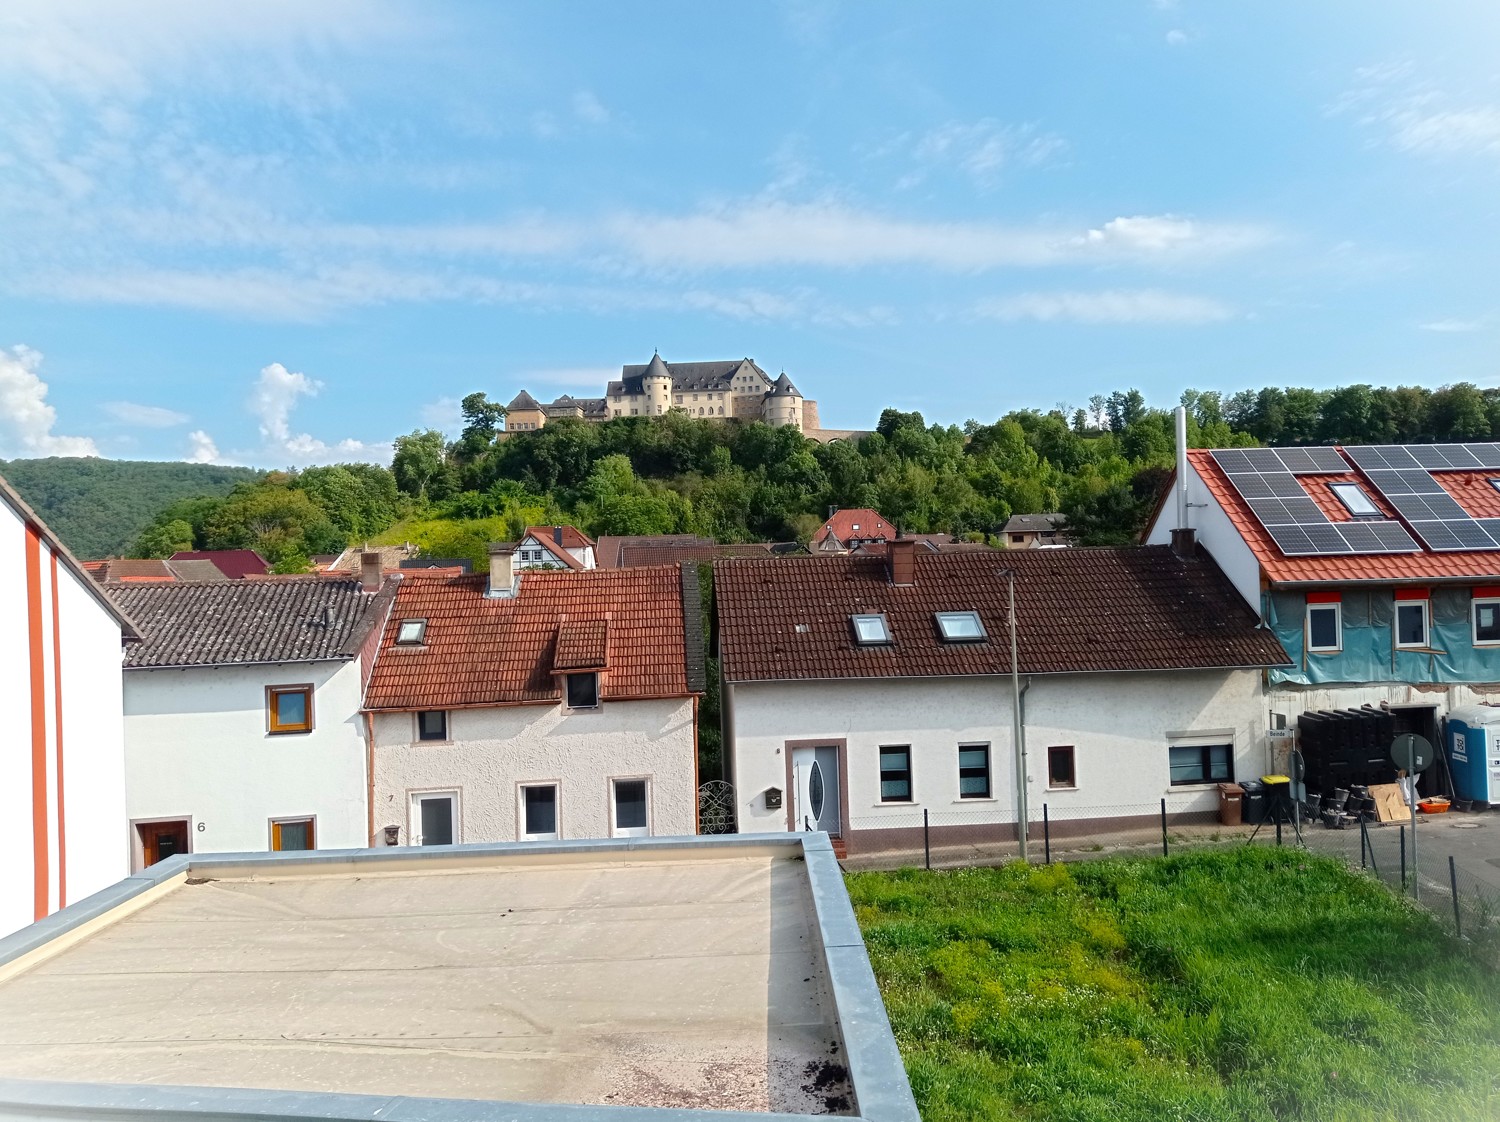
870	630
960	627
1353	497
411	631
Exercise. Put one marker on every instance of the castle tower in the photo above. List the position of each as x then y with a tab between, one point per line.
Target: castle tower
783	405
656	383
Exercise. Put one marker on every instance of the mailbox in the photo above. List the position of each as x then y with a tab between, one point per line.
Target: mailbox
773	798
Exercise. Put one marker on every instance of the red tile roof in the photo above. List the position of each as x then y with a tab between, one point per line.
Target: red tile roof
642	624
572	537
859	522
233	563
1077	610
1343	568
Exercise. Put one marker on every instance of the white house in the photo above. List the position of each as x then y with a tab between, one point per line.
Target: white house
62	768
538	704
860	691
243	728
553	547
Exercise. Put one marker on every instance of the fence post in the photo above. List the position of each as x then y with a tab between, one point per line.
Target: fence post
926	841
1364	840
1458	924
1403	858
1164	828
1364	833
1046	834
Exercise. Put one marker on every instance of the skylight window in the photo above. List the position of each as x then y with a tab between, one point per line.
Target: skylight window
870	630
1355	500
960	627
411	631
1495	483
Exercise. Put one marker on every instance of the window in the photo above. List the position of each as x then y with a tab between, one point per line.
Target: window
895	775
1061	773
1353	497
432	724
1495	483
869	630
1487	621
583	691
411	631
1411	623
973	771
289	708
960	627
1324	627
630	818
1017	539
291	833
1201	763
539	812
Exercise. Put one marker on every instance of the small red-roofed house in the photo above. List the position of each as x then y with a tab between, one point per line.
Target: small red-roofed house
846	530
555	547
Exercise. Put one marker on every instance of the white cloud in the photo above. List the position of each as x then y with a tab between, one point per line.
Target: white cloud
144	416
442	414
1153	235
1416	116
1176	37
26	419
1454	325
1119	306
202	449
1447	131
272	400
589	109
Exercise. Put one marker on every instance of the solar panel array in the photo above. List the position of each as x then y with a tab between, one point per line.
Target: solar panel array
1403	475
1266	479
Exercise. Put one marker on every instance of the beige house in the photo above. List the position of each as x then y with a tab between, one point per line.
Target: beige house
1034	531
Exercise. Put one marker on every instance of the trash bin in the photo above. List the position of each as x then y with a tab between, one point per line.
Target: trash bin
1231	804
1254	806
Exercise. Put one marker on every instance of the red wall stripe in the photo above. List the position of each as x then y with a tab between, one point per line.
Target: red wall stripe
39	844
57	699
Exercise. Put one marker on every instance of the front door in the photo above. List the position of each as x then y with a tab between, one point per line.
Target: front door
815	786
160	840
433	819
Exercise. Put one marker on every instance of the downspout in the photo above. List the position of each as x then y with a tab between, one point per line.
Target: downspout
697	774
1025	689
370	777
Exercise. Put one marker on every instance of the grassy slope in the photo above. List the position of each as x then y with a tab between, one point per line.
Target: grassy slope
98	507
1248	984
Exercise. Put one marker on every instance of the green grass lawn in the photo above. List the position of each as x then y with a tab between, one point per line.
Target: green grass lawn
1246	984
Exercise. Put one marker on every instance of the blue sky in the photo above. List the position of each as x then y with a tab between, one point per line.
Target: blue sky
283	232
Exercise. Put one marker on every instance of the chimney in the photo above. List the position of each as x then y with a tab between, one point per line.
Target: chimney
369	571
1185	542
504	579
557	534
1181	485
901	560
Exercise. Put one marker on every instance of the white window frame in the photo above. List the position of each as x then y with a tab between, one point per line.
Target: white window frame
944	618
879	618
989	772
535	785
1426	643
1338	622
1342	491
292	820
414	812
418	635
567	683
1474	606
615	829
1207	739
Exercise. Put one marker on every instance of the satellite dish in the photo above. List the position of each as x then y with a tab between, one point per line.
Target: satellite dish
1411	753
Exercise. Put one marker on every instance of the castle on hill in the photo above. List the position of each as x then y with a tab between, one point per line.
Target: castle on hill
722	390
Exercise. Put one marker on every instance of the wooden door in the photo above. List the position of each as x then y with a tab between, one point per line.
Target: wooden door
160	840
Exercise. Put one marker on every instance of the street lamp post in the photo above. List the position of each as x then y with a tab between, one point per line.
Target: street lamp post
1018	745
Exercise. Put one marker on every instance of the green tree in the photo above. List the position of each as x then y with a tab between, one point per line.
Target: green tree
419	464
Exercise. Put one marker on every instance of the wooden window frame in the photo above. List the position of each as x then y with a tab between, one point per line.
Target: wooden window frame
312	832
1072	751
274	726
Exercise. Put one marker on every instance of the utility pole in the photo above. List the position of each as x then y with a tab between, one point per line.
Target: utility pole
1018	747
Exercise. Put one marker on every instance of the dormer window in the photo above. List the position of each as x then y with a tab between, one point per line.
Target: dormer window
411	632
870	630
1355	500
960	627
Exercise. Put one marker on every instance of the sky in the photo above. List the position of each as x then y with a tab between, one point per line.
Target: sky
284	233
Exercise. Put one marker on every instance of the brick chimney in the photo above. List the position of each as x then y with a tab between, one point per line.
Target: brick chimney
504	579
557	534
901	560
369	571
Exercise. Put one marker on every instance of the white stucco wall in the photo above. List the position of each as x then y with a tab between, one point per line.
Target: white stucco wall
1120	726
197	747
1216	533
83	804
491	752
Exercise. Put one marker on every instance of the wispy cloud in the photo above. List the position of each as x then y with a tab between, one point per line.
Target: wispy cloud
1137	306
1414	115
26	419
273	398
442	414
1176	37
980	150
144	416
1454	325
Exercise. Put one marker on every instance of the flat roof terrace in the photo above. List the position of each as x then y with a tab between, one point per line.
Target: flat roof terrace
699	974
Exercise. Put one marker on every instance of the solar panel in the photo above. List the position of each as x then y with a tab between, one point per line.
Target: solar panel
1393	537
1438	536
1430	457
1232	460
1327	460
1471	534
1326	538
1491	526
1367	457
1362	537
1292	540
1460	456
1488	455
1264	459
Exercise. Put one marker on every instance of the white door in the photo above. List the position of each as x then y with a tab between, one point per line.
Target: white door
631	816
815	785
434	818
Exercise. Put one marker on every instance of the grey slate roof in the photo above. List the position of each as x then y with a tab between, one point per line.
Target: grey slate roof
523	400
784	387
268	619
686	375
1033	523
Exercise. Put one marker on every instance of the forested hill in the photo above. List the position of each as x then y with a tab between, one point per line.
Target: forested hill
98	507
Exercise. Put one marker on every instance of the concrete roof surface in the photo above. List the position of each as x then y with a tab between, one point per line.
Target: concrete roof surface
681	981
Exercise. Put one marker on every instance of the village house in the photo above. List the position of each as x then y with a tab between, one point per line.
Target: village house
243	729
1378	569
62	768
861	690
1033	531
529	704
847	530
554	547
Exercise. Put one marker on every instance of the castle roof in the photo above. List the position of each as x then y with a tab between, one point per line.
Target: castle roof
685	375
523	400
784	387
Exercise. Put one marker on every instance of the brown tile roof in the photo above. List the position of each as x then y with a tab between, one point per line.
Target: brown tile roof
645	623
1077	610
572	537
268	619
233	563
669	549
856	522
128	570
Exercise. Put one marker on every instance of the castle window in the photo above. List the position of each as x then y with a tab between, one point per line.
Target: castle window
721	410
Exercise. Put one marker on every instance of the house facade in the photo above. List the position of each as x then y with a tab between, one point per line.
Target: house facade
554	547
860	691
243	727
1377	567
1033	531
851	528
537	704
62	768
